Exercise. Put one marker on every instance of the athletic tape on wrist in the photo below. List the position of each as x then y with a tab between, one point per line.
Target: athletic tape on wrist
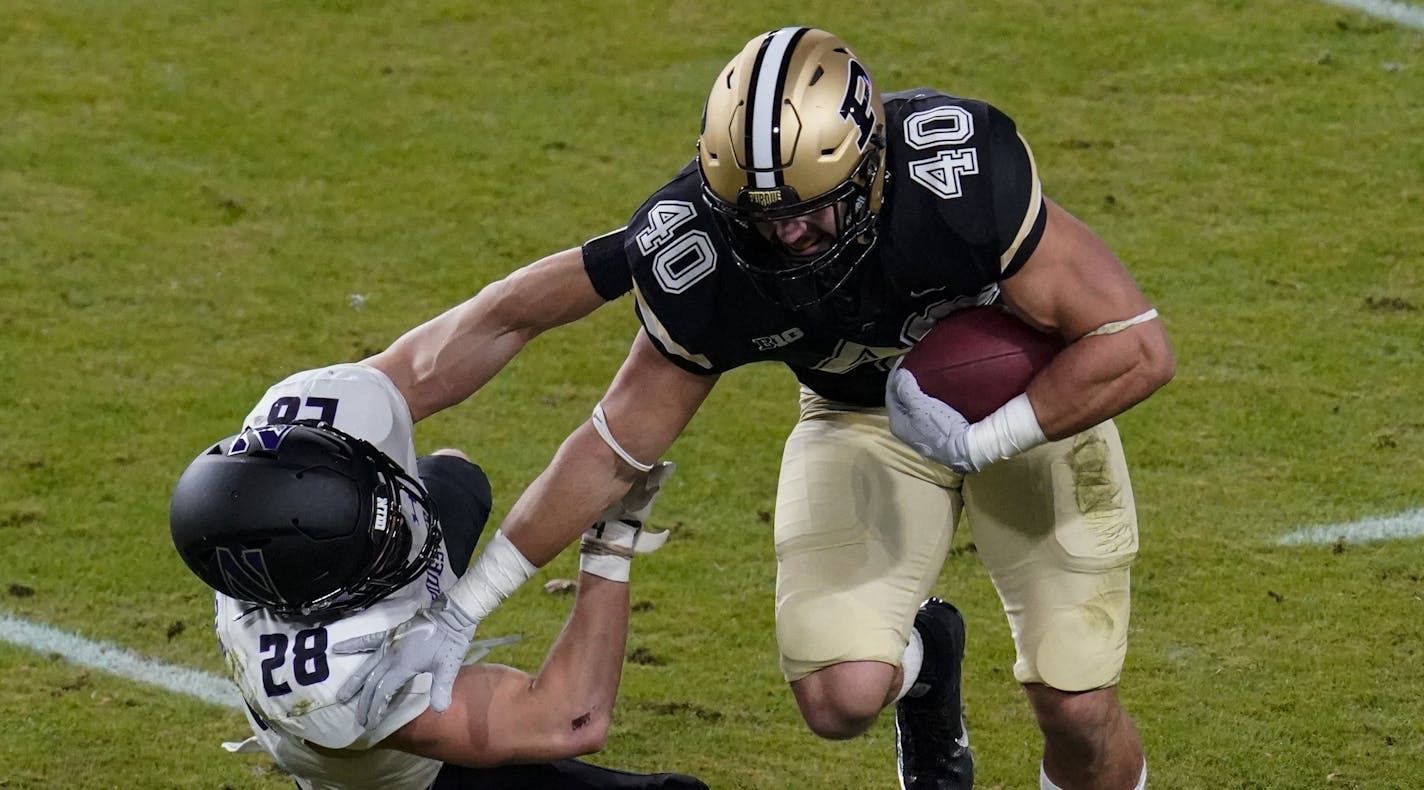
1010	430
495	574
599	548
600	424
609	560
609	566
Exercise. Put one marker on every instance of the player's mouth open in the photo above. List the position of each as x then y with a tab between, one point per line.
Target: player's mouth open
807	247
805	236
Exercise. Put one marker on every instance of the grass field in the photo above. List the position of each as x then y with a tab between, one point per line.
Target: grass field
198	198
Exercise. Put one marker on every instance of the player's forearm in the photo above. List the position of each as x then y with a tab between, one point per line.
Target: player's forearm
646	408
445	360
585	665
565	710
1098	378
448	358
582	481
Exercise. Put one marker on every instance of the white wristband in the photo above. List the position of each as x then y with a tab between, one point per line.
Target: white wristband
610	566
497	572
1007	432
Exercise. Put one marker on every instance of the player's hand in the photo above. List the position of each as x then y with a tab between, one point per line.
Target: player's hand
608	546
934	428
435	640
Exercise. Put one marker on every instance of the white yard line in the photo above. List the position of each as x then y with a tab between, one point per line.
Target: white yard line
115	660
1409	524
1398	13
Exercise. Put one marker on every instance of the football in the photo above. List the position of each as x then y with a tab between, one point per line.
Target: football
979	358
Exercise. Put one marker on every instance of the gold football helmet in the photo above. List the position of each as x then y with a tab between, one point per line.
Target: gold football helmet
793	125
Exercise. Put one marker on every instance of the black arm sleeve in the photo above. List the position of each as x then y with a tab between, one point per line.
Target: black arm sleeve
607	265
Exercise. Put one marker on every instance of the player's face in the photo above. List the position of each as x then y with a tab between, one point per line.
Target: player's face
804	236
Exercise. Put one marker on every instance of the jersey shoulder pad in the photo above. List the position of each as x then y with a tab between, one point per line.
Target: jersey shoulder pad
355	398
962	162
680	269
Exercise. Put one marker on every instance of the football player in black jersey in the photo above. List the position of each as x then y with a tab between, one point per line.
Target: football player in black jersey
826	227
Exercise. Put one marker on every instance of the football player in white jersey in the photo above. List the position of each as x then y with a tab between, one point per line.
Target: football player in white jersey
318	523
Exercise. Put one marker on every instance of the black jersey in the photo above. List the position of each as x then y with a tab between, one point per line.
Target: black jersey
962	210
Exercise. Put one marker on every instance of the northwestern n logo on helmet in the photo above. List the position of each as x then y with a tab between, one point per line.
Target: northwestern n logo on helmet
246	577
267	437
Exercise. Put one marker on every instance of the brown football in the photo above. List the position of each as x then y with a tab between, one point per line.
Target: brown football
979	358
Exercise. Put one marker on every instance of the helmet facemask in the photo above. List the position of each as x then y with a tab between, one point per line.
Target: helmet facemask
391	564
779	273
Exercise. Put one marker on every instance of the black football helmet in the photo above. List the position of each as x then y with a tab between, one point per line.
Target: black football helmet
302	519
793	125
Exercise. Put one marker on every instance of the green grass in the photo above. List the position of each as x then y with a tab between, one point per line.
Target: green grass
192	193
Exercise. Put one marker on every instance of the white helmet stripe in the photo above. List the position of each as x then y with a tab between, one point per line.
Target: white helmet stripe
764	130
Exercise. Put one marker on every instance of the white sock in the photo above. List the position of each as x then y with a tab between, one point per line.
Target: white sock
1044	783
910	663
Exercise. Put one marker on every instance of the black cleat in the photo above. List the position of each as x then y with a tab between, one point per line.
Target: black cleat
931	743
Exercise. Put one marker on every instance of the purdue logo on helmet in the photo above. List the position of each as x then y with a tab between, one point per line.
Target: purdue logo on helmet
794	124
302	519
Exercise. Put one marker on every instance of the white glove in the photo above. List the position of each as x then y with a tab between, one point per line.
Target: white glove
939	432
608	546
931	426
435	640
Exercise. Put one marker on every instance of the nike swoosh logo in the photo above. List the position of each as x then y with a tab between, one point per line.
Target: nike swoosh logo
918	294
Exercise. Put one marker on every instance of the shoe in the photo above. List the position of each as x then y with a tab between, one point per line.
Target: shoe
931	743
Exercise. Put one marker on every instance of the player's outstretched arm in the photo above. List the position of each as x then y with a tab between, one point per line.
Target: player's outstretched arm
1117	351
501	715
445	360
649	403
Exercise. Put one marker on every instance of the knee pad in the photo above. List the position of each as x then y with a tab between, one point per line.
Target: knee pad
814	631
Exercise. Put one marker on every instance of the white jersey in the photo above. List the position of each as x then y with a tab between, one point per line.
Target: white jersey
283	666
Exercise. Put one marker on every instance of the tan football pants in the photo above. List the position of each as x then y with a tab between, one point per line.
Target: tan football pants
863	523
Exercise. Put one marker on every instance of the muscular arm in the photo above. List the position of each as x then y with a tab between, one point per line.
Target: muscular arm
501	715
498	714
1071	285
446	359
647	406
649	403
